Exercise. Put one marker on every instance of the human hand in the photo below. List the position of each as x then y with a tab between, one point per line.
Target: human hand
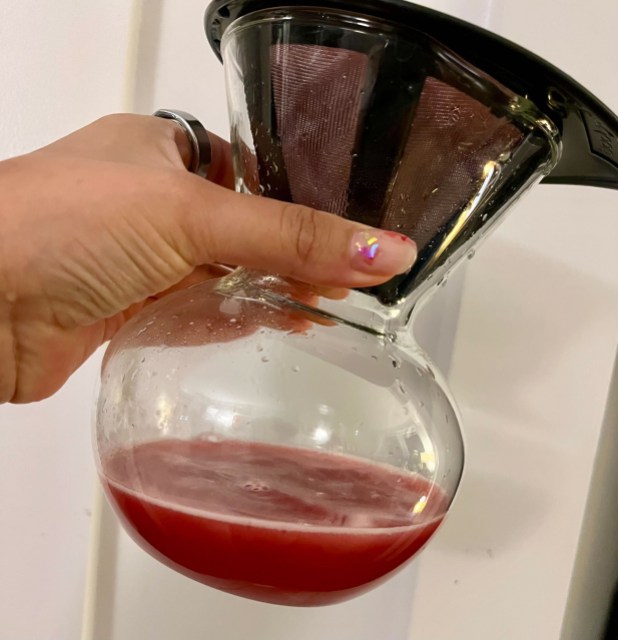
96	224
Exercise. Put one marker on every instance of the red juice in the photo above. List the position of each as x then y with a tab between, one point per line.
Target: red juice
279	524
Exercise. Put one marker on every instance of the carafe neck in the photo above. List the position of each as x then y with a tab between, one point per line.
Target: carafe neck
357	309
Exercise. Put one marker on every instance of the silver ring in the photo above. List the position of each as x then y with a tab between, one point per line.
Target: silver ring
197	135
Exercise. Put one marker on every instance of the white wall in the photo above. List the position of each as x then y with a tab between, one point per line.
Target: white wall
533	355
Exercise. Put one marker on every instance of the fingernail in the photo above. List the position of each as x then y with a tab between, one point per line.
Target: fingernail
382	252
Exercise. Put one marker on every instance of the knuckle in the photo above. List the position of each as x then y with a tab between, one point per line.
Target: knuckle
115	119
127	123
301	228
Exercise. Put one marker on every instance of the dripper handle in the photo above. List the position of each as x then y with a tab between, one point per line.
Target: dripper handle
590	149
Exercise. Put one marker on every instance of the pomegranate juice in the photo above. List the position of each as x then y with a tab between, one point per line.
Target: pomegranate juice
268	522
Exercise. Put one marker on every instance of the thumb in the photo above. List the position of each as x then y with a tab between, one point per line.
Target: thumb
291	240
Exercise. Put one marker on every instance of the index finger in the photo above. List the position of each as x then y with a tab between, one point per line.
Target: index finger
221	171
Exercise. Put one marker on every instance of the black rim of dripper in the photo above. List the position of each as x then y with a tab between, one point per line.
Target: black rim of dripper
588	128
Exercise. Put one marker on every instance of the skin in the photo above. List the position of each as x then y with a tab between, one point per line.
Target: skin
98	224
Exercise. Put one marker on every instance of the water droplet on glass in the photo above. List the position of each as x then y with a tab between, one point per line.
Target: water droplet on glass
471	254
295	368
264	359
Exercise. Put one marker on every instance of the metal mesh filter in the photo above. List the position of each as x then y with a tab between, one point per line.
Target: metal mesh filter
386	128
451	139
318	93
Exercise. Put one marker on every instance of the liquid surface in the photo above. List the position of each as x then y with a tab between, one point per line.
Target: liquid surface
273	523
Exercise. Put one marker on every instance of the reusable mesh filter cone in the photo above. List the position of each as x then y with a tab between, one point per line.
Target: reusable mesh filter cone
392	130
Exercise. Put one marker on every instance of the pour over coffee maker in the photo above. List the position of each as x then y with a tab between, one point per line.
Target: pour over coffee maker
282	445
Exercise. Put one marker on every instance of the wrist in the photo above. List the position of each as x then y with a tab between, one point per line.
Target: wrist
10	174
8	348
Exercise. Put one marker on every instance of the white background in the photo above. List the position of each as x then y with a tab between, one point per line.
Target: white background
533	353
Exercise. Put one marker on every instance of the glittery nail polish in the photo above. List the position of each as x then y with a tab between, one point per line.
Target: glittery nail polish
382	252
367	246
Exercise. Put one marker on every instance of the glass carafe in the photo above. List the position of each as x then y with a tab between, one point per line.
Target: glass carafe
280	442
